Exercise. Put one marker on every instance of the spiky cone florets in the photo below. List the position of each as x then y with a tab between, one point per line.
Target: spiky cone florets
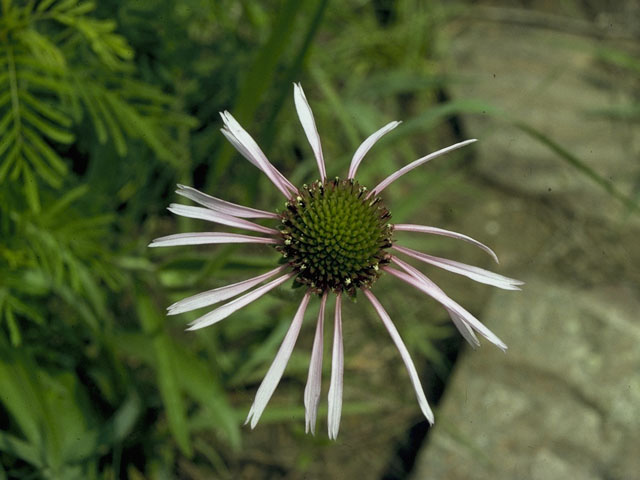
335	236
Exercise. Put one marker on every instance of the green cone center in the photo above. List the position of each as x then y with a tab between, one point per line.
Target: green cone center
335	236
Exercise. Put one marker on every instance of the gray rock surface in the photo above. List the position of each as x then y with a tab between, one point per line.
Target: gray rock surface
550	75
562	403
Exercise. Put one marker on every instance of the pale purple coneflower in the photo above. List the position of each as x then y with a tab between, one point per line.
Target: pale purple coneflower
334	236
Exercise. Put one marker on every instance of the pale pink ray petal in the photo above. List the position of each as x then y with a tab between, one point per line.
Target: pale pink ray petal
337	373
465	330
221	294
366	146
239	147
222	205
394	176
447	302
282	180
273	376
474	273
254	154
227	309
314	379
309	125
207	238
253	150
404	353
218	217
405	227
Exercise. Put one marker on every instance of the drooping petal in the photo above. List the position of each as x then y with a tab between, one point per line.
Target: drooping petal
221	294
206	238
465	330
394	176
474	273
314	379
227	309
337	373
222	205
248	148
218	217
404	353
404	227
309	125
421	282
273	376
366	146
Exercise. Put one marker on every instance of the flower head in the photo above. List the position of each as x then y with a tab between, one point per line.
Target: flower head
335	237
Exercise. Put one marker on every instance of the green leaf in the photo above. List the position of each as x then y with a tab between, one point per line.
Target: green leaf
45	150
48	129
167	374
112	125
197	379
42	48
4	98
47	82
24	398
7	139
48	175
137	126
13	159
92	108
19	449
60	205
45	109
14	330
44	4
111	433
31	188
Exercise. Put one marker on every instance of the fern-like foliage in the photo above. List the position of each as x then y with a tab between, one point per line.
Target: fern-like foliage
54	255
60	67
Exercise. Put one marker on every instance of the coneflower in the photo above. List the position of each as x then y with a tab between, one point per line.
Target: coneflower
335	237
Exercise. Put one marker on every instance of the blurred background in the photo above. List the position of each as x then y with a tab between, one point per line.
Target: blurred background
105	106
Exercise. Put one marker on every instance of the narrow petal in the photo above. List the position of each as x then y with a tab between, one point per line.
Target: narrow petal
465	330
222	205
314	379
282	180
337	373
221	294
404	353
404	227
239	147
206	238
394	176
421	282
366	146
474	273
309	125
227	309
273	376
218	217
249	149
